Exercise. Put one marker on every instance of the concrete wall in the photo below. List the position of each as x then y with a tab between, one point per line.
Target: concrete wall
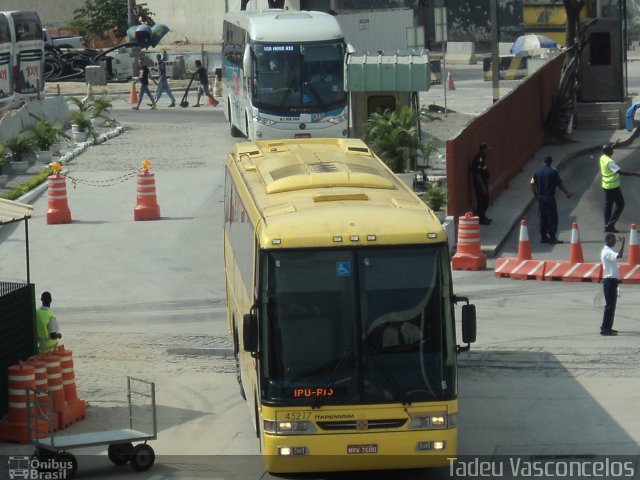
53	13
514	127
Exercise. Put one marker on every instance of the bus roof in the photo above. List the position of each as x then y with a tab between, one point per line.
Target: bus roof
287	26
308	192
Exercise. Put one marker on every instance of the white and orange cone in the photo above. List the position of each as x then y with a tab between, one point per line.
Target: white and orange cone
575	251
634	248
524	244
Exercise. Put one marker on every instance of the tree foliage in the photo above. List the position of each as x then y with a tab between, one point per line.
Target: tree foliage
393	136
100	16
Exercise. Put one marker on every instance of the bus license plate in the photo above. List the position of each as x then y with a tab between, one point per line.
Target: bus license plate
302	135
359	449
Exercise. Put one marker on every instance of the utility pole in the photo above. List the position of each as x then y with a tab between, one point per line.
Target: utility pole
495	58
131	16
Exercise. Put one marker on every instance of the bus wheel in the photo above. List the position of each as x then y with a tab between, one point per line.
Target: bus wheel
239	377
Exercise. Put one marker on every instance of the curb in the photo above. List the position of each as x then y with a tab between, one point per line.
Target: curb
34	193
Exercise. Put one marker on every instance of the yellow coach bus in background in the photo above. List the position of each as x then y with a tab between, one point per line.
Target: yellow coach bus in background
341	309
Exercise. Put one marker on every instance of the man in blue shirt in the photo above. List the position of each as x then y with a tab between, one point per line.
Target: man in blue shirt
543	185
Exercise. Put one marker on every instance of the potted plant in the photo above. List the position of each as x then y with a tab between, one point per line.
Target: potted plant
81	125
80	118
43	135
19	148
101	109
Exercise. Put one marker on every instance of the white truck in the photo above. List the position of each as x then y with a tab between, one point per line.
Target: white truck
68	41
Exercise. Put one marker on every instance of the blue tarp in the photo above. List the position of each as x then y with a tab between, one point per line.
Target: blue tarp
631	111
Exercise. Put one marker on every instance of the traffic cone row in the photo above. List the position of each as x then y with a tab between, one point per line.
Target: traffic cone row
14	429
574	270
58	206
51	375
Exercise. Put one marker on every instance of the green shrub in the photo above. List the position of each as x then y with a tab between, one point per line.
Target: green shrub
28	186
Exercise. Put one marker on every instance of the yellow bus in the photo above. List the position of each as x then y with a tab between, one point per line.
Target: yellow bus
341	309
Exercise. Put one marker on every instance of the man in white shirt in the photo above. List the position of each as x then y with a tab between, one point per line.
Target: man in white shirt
610	281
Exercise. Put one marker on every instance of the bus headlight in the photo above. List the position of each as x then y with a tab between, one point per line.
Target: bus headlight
288	427
287	451
427	446
429	421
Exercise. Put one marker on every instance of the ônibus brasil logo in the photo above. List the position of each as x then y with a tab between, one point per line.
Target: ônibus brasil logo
34	468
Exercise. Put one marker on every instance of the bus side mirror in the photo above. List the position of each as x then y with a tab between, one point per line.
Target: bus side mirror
250	332
247	63
468	323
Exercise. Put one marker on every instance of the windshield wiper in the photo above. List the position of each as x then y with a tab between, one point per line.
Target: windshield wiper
333	376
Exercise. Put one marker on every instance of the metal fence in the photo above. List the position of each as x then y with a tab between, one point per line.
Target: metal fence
17	330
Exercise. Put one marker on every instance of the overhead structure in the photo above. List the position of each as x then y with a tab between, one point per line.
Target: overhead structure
379	82
12	212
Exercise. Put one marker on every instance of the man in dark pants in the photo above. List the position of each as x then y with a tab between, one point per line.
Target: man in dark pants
480	179
610	281
611	172
543	185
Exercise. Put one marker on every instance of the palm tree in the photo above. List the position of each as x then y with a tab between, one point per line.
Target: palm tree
393	136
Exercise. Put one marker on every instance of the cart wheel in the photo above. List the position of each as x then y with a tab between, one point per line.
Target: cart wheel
66	465
41	459
119	453
142	457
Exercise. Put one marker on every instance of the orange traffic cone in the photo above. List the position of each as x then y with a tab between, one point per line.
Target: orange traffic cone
575	251
524	244
147	207
212	102
133	96
469	254
634	248
450	85
57	208
630	271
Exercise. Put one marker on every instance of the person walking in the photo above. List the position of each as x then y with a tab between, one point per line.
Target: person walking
613	199
143	78
480	179
46	325
610	281
163	84
203	87
544	182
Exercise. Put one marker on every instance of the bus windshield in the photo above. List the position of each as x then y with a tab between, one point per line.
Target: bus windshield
298	78
356	326
27	26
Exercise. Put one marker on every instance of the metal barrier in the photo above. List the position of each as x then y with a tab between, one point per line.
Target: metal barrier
17	341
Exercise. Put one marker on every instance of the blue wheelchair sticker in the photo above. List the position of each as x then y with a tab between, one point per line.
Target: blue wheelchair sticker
343	269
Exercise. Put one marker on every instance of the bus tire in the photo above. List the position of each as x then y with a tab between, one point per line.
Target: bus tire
236	354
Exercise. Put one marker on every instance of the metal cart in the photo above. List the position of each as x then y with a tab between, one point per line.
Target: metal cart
51	453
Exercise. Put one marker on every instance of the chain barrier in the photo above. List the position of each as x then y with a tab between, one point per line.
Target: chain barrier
101	183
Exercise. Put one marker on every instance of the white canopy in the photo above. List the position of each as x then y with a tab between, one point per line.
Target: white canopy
11	211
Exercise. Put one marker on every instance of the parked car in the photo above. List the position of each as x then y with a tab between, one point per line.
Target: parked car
67	41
